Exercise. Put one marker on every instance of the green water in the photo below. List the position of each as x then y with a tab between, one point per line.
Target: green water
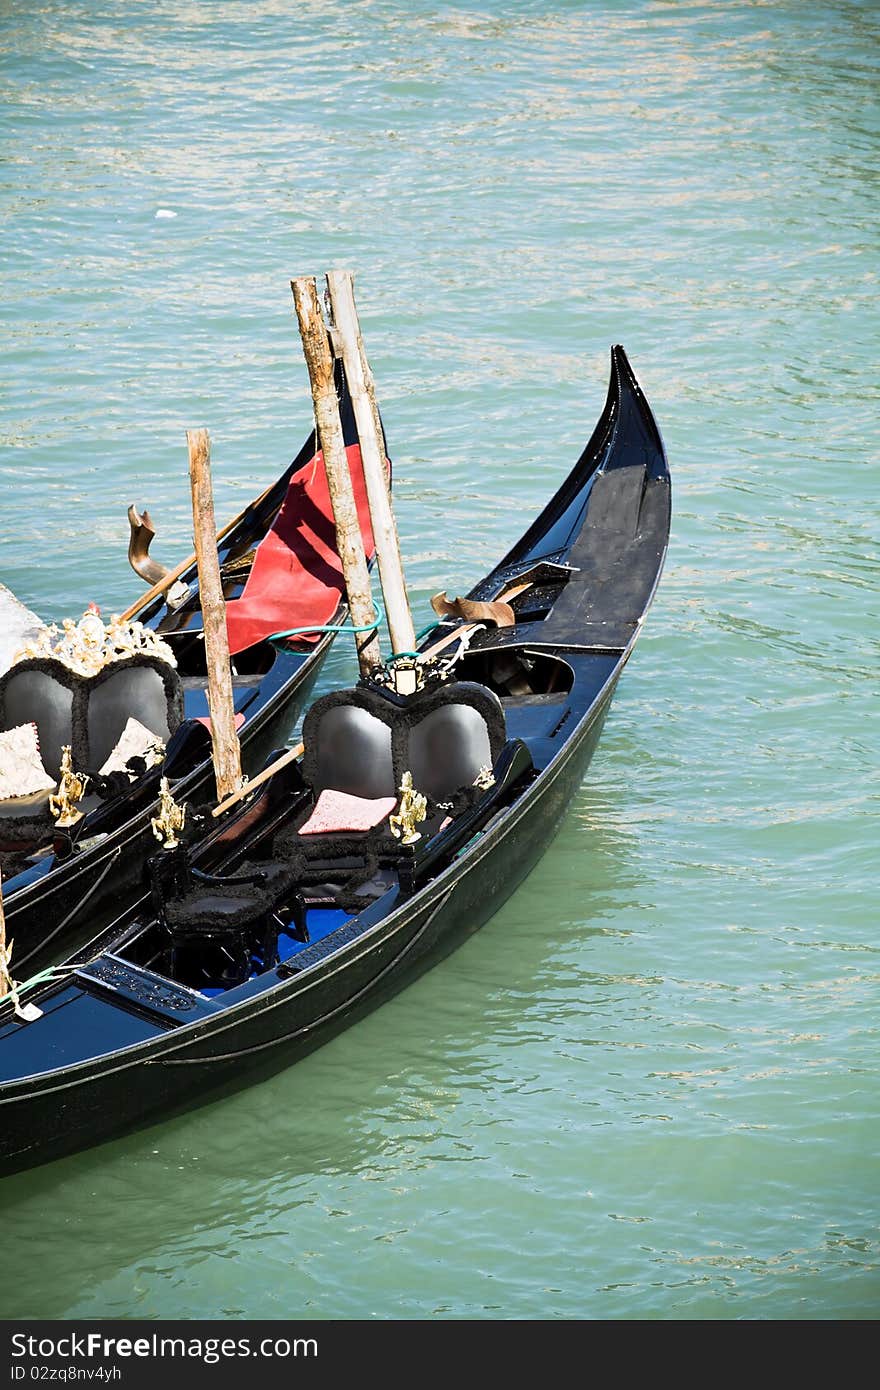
648	1087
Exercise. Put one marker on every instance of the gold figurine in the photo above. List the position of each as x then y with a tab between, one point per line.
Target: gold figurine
413	809
170	819
62	804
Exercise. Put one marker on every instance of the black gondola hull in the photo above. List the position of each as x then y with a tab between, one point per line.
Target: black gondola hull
119	1046
161	1079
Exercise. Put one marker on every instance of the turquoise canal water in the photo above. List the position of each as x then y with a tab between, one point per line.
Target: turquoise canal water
648	1088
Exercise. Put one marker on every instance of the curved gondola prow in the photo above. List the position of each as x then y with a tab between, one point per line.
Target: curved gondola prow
626	412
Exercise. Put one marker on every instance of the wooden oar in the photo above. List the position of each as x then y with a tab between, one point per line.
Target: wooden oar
224	738
363	399
290	756
349	539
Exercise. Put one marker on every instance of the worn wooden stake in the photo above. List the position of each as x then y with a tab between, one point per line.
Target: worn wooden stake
363	399
349	541
227	750
4	970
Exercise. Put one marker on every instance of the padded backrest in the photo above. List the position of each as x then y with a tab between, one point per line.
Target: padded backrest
30	694
122	691
89	712
360	742
447	749
349	749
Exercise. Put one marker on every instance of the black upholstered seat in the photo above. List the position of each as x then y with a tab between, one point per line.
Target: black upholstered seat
88	713
213	907
361	742
449	746
216	926
144	688
31	693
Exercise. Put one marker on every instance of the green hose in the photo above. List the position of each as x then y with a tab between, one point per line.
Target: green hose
276	638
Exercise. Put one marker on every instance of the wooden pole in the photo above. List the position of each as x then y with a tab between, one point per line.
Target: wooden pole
363	399
227	751
349	541
284	761
4	965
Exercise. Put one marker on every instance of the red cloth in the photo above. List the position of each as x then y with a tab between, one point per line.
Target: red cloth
296	578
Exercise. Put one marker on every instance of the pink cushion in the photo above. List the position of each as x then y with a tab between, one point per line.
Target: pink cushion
206	720
340	811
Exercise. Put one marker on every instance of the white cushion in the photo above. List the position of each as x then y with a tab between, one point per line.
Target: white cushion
135	741
21	768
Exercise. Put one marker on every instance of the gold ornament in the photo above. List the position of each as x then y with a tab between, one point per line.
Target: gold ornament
62	804
170	819
88	646
413	809
484	779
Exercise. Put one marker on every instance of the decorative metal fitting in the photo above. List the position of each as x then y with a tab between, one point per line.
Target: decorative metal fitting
88	646
62	804
170	819
412	810
484	779
407	676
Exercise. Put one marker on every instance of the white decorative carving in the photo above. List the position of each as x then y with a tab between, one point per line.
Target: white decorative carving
88	646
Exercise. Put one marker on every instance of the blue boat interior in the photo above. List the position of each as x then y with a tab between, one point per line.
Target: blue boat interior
320	923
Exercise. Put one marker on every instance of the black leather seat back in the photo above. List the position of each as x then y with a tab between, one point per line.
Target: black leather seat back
89	712
349	749
31	695
360	742
448	748
144	692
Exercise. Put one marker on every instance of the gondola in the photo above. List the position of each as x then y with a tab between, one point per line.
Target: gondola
424	796
280	572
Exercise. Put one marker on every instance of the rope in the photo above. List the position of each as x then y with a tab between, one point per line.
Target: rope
42	977
277	637
79	906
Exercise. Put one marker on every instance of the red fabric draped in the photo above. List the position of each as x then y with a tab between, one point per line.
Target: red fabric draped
296	578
